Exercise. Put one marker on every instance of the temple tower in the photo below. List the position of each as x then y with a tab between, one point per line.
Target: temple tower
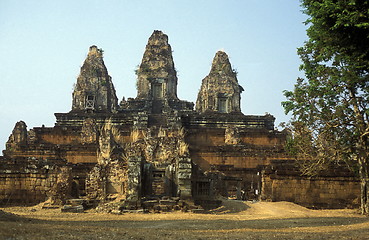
94	90
156	75
220	91
19	135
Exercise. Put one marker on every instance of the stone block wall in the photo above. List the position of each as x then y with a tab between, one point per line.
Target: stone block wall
30	181
83	154
23	188
57	135
338	190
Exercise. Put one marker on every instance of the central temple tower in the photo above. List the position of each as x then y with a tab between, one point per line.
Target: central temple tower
156	75
157	80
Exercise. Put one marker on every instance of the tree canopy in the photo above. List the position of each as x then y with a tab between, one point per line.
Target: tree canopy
330	105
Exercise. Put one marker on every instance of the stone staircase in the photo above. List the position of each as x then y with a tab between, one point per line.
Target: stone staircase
157	120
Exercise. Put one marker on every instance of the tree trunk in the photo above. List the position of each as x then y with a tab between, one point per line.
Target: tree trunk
364	184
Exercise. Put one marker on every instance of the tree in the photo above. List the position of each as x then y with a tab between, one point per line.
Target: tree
330	115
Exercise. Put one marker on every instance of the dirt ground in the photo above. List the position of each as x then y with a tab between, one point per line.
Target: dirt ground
234	220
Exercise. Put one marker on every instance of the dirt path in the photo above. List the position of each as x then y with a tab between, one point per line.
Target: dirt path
235	220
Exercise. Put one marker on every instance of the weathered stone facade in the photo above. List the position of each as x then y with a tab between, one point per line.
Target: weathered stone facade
152	149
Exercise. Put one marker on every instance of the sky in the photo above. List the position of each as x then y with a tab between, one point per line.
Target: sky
43	44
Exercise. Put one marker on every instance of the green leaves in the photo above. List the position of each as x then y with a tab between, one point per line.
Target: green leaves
330	105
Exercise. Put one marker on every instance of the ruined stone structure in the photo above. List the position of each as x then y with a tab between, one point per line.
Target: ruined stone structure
154	146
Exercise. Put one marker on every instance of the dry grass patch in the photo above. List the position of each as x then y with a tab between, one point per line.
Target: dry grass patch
235	220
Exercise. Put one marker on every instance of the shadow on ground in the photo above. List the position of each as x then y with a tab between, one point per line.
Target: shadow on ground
186	229
211	224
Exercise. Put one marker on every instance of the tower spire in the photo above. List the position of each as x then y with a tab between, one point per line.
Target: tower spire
220	91
156	75
94	90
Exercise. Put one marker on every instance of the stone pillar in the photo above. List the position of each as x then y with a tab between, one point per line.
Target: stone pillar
238	193
184	173
134	178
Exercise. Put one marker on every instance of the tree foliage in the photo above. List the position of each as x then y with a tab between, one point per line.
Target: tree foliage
330	105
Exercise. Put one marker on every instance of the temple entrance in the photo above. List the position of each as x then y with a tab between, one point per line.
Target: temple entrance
222	105
75	189
158	183
157	90
202	188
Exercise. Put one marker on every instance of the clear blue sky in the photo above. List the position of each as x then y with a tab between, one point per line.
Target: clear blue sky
43	44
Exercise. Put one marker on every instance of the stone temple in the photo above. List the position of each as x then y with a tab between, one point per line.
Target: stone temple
158	150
